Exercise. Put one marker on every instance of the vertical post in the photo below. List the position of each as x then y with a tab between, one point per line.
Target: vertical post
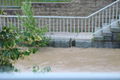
57	25
99	20
85	27
78	25
92	26
106	20
102	18
4	21
18	24
43	21
49	26
14	22
60	24
38	21
113	12
52	24
88	25
117	10
82	21
74	25
7	22
110	16
67	24
63	25
71	25
95	25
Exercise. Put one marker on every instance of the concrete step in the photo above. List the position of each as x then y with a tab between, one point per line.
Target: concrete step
80	40
98	35
60	42
83	40
60	39
83	43
106	31
116	37
115	27
64	39
100	44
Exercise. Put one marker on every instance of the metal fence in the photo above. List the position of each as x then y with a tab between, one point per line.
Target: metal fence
53	23
90	23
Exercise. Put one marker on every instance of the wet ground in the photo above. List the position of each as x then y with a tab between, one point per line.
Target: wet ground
73	60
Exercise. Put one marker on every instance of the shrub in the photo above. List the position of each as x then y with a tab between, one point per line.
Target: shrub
33	35
2	12
9	38
8	50
43	70
8	43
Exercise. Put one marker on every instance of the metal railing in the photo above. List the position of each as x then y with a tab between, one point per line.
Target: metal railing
90	23
105	16
53	23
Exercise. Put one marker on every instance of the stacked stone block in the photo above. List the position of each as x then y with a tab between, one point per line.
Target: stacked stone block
74	8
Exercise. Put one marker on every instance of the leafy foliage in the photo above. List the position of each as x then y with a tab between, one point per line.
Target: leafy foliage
9	51
2	12
43	70
8	43
33	35
9	39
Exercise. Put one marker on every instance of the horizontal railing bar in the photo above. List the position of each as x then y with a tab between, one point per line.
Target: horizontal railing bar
10	7
44	16
48	2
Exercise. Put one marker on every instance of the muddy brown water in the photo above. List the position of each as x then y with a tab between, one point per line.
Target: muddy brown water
73	60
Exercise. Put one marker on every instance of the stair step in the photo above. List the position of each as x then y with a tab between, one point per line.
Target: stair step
107	38
98	35
106	30
115	27
97	29
116	37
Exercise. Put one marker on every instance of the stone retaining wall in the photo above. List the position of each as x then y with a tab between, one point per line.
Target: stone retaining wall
65	43
75	8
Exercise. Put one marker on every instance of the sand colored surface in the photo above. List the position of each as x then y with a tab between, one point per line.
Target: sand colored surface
73	60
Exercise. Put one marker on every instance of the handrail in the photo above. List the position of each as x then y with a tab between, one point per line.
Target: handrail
44	16
103	9
110	24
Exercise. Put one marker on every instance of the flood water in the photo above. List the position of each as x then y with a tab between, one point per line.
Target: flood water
72	60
